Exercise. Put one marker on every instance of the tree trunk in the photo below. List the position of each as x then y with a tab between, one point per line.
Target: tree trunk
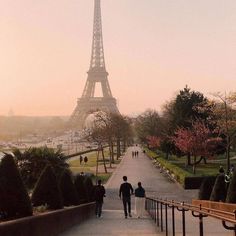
188	161
118	148
104	162
228	153
112	153
194	165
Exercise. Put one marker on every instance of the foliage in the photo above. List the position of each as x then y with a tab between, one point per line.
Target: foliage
153	141
81	189
148	124
14	199
90	188
198	140
189	106
68	191
206	189
219	189
32	162
47	190
231	194
226	119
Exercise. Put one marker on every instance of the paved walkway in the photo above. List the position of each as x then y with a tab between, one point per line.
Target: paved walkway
113	221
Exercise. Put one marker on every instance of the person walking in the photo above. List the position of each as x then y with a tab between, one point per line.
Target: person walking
139	200
126	190
85	160
80	159
99	194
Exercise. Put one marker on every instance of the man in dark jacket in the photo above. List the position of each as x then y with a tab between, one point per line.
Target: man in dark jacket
99	193
126	190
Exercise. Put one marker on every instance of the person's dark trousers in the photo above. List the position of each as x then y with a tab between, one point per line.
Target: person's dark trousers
127	201
98	208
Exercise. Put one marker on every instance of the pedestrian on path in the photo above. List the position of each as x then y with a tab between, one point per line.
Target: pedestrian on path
99	194
139	200
80	159
133	154
126	190
85	160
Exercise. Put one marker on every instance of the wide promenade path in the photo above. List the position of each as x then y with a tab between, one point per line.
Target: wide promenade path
156	184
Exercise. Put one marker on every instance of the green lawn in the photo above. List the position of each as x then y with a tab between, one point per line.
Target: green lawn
176	165
90	166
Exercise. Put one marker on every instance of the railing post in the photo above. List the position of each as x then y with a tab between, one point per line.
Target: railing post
183	218
158	223
155	218
183	221
173	220
166	215
161	218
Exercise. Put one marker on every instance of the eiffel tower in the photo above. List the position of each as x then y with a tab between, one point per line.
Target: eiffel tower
97	73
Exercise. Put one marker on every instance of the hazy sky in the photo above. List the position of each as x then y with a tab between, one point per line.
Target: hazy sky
153	49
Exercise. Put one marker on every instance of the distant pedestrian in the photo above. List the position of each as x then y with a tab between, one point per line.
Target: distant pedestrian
139	200
137	153
85	159
99	194
126	190
221	170
80	159
133	154
82	173
231	169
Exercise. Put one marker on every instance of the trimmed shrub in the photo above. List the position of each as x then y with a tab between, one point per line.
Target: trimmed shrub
81	189
46	191
14	198
206	188
231	194
90	188
219	189
68	191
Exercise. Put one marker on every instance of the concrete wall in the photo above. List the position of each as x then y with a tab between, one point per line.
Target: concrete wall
48	224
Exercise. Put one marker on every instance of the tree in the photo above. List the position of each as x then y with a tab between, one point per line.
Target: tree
148	124
90	188
81	189
68	190
196	141
226	115
219	189
189	106
14	199
47	191
32	162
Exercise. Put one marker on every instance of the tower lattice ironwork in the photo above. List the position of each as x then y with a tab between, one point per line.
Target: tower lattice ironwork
97	73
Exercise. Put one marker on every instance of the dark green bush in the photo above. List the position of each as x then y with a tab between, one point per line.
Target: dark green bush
14	199
69	193
231	194
219	189
32	162
81	189
90	188
47	190
206	188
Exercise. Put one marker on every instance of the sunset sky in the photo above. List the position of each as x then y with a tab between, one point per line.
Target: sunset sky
153	48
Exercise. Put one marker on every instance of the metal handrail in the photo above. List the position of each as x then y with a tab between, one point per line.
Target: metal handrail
154	206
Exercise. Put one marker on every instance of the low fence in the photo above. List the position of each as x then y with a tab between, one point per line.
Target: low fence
48	224
158	210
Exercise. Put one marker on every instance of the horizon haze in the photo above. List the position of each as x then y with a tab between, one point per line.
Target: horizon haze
152	50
